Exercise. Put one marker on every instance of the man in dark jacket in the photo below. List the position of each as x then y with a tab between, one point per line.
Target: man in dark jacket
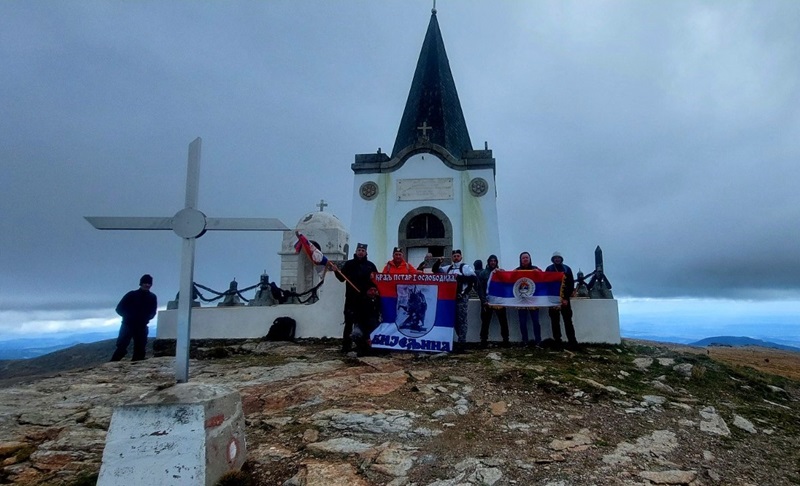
565	309
358	271
136	308
486	311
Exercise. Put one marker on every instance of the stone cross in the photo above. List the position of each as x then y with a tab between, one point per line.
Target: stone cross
322	205
189	223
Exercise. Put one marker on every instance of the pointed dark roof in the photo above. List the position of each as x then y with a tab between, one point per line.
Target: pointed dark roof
433	101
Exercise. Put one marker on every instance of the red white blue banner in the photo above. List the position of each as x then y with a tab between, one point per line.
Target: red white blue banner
417	311
524	288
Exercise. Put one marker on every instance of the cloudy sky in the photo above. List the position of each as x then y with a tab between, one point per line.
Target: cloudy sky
665	132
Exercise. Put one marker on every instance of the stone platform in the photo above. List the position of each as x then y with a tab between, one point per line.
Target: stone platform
596	320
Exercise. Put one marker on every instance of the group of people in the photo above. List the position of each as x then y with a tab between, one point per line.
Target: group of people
362	307
362	302
555	313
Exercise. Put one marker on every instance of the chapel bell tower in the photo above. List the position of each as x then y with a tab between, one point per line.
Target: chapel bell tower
434	193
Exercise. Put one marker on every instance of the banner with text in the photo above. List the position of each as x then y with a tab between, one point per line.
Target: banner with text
524	288
417	312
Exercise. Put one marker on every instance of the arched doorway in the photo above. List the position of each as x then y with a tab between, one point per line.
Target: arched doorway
425	230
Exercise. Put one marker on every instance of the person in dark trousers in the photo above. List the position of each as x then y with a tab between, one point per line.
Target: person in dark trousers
368	318
486	310
523	312
565	310
465	281
359	272
136	308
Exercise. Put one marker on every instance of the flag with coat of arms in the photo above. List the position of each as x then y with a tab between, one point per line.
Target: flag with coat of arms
524	288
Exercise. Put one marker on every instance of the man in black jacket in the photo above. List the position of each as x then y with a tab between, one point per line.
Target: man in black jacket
486	311
358	271
565	309
136	308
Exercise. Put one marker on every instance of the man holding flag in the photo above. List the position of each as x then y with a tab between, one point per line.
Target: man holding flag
525	288
357	272
398	264
466	280
565	309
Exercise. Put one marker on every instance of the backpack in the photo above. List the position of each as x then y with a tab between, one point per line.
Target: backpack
282	329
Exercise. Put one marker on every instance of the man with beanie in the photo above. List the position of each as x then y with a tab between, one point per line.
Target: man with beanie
398	264
359	272
565	309
136	308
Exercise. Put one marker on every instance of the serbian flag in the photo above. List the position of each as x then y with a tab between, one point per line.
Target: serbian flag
417	312
524	288
313	253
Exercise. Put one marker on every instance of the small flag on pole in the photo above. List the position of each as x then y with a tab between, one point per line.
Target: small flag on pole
312	252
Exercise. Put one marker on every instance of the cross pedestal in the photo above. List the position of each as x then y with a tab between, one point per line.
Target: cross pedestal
190	434
189	223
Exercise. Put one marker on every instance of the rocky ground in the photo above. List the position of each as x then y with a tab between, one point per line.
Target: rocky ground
633	414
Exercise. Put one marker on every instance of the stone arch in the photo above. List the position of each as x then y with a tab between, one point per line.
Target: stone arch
425	228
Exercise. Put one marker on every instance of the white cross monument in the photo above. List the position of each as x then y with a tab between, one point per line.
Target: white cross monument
189	223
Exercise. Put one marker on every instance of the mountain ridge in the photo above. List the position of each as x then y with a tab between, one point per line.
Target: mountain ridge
741	341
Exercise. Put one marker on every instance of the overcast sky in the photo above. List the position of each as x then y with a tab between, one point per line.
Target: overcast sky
665	132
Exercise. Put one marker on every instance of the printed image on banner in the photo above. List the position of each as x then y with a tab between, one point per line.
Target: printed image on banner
524	288
418	311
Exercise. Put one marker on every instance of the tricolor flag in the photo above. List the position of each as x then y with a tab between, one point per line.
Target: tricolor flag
417	310
314	254
524	288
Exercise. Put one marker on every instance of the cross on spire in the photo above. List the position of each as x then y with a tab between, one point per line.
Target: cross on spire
425	129
321	205
189	223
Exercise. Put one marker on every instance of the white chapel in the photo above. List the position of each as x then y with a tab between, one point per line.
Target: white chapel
434	192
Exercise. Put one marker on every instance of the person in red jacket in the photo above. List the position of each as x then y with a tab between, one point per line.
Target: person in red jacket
398	264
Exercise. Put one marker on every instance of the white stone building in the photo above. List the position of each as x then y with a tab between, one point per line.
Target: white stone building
326	232
434	193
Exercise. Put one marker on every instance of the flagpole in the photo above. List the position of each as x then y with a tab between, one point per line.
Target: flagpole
336	269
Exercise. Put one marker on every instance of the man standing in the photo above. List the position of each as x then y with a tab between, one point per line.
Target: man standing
136	308
398	264
466	280
425	263
565	309
358	271
525	263
486	310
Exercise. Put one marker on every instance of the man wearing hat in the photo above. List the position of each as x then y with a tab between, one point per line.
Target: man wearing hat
398	264
565	309
136	308
359	272
466	280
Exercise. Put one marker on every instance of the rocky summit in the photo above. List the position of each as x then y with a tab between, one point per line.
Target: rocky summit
632	414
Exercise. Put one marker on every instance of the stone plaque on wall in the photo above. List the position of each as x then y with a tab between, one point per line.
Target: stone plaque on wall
424	189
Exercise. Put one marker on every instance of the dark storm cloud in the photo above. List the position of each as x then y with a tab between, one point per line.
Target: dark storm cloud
663	132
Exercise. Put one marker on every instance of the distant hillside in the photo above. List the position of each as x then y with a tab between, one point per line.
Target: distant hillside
738	341
77	356
31	347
